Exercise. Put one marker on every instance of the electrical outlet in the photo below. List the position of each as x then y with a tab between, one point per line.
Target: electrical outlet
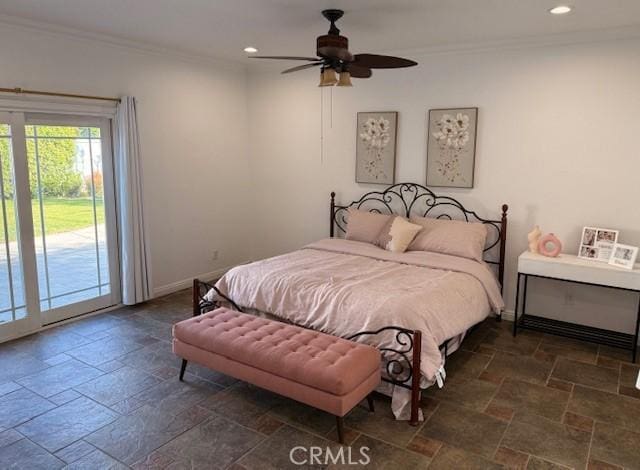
214	255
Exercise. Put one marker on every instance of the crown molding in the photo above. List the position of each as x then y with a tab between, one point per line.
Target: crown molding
550	40
527	42
116	42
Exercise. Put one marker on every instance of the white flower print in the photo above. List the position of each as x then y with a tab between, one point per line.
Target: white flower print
452	134
375	136
462	120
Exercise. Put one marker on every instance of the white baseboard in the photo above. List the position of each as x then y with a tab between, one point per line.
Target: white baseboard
187	283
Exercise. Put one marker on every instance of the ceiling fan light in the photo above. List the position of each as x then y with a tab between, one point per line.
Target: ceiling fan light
345	79
328	77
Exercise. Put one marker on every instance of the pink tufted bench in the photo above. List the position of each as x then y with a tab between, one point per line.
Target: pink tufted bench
324	371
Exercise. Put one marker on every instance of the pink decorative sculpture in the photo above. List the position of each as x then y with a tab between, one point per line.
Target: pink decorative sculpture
549	245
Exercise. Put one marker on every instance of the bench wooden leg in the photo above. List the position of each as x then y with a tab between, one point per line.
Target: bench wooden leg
183	367
340	429
370	402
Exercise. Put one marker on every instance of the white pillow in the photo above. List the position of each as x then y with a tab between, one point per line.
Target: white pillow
402	233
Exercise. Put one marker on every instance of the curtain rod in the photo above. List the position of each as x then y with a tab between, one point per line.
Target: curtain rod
22	91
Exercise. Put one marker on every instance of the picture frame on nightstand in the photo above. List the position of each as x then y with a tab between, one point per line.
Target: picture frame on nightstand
624	256
597	244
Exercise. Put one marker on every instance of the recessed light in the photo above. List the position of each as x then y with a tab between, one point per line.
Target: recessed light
250	50
560	10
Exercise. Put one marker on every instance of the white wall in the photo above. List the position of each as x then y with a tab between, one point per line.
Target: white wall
193	130
556	141
236	165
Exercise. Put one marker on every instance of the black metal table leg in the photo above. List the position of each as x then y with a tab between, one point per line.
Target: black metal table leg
515	310
524	295
635	333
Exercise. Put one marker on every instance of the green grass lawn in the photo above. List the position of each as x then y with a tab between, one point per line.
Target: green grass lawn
60	215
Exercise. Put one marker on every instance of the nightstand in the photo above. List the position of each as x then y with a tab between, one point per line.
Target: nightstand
570	268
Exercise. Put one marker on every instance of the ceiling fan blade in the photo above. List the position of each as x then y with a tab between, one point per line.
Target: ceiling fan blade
375	61
277	57
331	52
358	71
301	67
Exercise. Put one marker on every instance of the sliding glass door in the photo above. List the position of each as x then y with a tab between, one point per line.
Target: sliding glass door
71	185
67	219
18	306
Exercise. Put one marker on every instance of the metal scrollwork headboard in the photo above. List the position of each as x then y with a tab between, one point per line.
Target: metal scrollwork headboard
412	199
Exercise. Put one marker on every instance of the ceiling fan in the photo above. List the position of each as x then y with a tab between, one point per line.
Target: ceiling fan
334	57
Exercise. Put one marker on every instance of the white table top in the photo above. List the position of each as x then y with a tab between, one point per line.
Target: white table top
572	268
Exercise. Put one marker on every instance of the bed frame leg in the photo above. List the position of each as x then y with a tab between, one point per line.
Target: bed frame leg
415	379
196	297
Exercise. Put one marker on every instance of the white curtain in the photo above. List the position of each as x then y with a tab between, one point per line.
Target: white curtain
134	247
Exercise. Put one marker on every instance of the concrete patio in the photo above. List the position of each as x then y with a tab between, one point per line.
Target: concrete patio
71	262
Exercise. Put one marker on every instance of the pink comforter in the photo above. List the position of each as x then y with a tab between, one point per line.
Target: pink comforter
343	287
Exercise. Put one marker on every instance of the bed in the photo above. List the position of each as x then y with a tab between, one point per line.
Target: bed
416	307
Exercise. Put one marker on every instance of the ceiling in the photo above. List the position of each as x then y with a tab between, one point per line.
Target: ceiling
221	29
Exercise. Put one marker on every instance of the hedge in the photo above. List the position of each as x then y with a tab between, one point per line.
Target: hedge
58	176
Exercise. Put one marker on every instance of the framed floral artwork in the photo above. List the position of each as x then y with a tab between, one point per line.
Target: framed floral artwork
451	147
376	147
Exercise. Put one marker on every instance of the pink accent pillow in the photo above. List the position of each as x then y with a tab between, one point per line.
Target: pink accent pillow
363	226
451	237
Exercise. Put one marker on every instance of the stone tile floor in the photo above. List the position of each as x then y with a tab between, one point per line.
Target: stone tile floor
103	393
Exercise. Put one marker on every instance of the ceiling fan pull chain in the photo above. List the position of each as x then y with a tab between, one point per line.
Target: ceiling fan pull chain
321	125
331	108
